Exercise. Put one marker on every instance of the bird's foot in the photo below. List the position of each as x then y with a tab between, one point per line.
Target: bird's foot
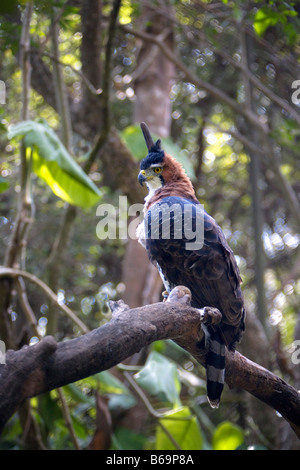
210	316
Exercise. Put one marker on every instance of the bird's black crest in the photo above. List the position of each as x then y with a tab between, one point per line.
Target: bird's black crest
147	135
155	155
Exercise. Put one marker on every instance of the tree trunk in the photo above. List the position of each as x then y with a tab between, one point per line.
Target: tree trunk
153	81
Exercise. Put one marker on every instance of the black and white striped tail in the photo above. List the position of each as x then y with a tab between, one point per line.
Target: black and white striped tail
215	366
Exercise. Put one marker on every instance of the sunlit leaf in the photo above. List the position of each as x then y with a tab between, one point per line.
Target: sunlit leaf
227	436
54	164
125	12
183	428
159	377
264	18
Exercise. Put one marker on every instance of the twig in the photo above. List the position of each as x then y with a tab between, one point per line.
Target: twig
26	307
272	163
142	396
55	260
255	191
33	323
25	63
15	273
247	72
26	76
55	21
106	119
17	240
87	82
60	91
142	68
68	419
151	410
211	89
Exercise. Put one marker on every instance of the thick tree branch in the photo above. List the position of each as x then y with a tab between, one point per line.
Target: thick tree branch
47	365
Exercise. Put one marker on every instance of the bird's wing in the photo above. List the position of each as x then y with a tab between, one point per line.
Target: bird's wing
209	271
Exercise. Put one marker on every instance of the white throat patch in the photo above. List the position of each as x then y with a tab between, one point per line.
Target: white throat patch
153	185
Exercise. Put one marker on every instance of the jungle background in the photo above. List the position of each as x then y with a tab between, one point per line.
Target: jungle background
217	82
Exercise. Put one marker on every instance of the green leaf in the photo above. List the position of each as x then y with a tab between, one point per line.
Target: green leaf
126	439
134	140
121	401
227	436
54	164
125	13
120	398
3	184
50	410
79	427
265	18
76	394
159	377
183	428
110	384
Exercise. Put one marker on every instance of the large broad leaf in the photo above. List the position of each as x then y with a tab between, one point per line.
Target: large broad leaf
120	398
183	428
126	439
159	377
227	436
50	410
54	164
134	139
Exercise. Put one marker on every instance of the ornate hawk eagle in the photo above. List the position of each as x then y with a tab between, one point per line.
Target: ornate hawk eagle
189	249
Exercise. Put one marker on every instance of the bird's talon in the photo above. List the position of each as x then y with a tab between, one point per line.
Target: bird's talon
210	316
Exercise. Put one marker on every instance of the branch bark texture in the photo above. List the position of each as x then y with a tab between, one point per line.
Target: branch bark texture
48	365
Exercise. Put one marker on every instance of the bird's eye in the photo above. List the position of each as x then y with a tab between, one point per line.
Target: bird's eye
157	169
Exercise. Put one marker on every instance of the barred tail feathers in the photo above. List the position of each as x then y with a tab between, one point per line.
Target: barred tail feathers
215	367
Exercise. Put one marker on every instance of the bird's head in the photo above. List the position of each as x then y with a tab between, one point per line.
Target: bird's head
162	173
151	168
